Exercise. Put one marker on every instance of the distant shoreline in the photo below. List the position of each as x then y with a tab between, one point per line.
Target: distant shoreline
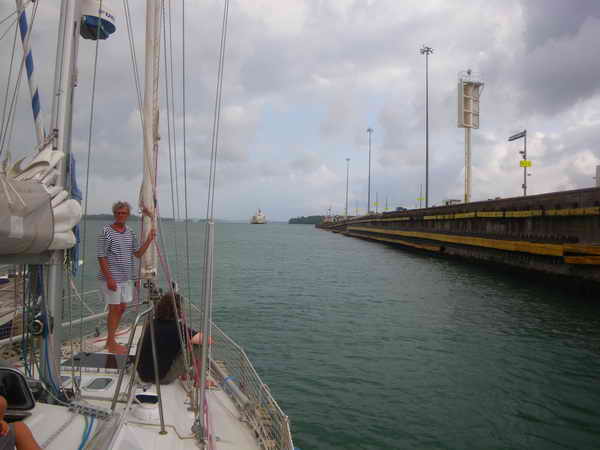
110	218
308	220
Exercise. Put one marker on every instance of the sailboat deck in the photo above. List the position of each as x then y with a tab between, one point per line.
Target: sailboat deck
141	427
56	427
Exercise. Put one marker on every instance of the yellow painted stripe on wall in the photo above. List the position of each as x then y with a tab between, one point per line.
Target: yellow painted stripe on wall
433	248
591	211
582	248
490	213
512	246
530	213
589	260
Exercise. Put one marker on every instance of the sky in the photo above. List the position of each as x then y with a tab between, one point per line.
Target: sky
304	79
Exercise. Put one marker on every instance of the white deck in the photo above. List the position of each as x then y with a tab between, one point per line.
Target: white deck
141	427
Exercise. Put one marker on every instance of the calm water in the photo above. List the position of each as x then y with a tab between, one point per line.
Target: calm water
369	347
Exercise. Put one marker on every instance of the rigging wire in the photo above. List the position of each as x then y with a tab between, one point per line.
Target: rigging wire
170	120
8	17
208	275
217	112
185	180
8	28
11	114
136	73
8	83
87	177
173	113
137	82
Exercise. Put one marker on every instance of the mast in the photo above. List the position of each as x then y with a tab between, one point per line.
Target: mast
148	190
62	118
151	133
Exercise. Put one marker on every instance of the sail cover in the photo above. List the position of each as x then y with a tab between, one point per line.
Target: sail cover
26	220
36	214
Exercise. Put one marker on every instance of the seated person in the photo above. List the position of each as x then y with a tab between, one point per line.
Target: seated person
169	354
16	434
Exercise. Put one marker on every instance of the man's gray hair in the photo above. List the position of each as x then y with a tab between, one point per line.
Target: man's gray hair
120	205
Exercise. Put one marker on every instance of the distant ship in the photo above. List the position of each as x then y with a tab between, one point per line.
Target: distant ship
258	218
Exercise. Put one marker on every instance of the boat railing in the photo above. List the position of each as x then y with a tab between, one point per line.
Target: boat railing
233	370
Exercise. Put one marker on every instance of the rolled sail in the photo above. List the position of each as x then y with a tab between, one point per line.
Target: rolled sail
35	215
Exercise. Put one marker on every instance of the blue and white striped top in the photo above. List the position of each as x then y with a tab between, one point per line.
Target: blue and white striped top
118	250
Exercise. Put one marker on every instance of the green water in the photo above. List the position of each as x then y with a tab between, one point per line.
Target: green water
366	346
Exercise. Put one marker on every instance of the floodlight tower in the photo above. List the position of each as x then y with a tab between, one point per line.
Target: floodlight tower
370	132
469	91
426	50
347	181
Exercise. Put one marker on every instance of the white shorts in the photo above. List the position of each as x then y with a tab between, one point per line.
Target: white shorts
123	294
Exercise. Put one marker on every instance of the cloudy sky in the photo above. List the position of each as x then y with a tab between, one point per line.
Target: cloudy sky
303	81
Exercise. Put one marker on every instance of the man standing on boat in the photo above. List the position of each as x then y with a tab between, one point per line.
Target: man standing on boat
115	248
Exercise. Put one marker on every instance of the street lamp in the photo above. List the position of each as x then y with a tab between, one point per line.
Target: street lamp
425	50
370	131
347	179
525	163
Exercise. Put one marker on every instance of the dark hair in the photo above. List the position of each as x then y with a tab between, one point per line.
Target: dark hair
164	308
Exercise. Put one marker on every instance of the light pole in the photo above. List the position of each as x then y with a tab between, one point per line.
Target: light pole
525	163
347	180
369	131
425	50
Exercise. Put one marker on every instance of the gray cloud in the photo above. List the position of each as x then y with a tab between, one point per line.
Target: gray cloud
556	19
305	78
561	71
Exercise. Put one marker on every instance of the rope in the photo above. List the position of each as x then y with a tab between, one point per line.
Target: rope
83	436
58	432
184	337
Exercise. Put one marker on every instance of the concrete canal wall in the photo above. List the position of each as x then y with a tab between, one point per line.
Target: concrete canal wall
556	233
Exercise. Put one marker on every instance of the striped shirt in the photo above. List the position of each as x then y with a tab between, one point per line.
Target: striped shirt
118	250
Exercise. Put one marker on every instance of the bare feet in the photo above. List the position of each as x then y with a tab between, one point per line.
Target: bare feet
117	349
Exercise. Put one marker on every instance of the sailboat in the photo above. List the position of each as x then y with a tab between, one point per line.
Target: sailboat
91	399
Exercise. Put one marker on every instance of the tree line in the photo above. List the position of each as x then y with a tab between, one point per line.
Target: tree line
306	220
